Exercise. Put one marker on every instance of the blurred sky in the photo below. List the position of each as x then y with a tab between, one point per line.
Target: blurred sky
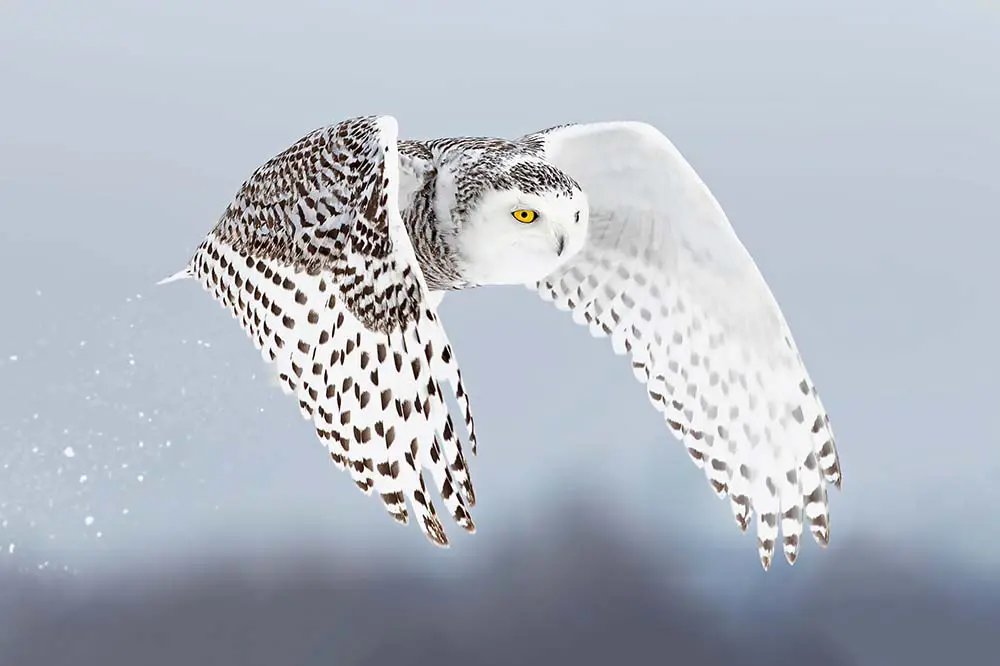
853	144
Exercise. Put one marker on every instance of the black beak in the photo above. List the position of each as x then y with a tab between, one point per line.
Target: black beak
560	245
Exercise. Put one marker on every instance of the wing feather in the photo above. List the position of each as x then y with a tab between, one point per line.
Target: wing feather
664	276
313	260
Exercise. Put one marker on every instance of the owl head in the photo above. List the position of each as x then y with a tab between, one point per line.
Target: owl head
516	217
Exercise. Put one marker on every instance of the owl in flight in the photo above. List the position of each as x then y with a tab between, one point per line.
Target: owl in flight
335	254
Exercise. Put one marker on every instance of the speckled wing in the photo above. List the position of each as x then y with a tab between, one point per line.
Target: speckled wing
312	258
665	277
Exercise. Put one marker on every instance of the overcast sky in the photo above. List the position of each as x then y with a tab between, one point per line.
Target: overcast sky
853	144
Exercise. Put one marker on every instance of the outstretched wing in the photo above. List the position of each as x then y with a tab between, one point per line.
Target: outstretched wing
312	258
664	275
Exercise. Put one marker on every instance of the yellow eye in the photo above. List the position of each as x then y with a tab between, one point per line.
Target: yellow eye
525	215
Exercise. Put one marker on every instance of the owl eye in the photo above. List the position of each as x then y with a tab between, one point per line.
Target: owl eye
525	215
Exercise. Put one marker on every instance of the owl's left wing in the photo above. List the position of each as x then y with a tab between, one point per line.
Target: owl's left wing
664	275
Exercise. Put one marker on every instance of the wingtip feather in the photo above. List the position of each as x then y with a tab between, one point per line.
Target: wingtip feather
179	275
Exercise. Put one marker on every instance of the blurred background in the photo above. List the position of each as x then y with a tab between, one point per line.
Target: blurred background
160	503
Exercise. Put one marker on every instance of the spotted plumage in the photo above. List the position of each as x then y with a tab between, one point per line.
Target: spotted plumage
334	254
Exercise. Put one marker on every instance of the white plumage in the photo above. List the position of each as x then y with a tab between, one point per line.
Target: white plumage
334	255
664	275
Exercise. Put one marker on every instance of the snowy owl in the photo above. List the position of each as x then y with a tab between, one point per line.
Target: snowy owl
335	254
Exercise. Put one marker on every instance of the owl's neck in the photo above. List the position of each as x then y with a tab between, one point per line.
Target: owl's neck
432	238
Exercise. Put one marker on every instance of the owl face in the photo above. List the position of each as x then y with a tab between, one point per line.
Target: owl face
518	235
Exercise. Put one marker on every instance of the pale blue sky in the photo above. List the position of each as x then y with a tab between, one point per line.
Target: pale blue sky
853	147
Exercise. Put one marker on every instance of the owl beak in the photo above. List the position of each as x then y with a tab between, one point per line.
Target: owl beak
560	244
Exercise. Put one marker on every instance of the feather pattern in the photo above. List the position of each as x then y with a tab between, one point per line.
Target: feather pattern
665	277
313	260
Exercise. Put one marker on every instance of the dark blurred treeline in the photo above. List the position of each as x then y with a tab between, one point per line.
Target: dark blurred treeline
585	600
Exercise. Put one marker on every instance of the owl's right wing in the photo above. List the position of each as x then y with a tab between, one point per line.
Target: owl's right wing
312	258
